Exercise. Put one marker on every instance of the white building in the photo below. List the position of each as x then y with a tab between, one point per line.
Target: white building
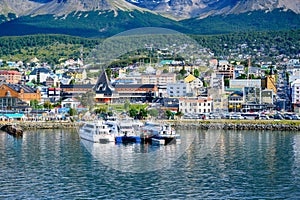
241	83
40	75
179	89
296	91
196	105
70	103
159	79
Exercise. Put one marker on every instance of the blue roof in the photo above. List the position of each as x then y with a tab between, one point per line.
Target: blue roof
15	116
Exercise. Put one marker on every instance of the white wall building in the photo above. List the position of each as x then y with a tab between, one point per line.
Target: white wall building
179	89
70	103
241	83
295	91
196	105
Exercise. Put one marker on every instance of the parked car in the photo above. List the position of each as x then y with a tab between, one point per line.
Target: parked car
278	116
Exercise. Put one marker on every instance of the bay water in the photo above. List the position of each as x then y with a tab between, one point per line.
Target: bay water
211	164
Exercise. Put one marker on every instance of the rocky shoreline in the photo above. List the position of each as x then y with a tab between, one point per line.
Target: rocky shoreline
240	126
202	125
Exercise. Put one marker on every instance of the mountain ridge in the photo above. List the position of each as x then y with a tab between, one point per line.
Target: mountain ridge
175	9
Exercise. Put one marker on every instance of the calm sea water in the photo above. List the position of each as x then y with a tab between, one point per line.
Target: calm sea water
56	164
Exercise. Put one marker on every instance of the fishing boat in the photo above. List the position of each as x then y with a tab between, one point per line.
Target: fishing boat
97	132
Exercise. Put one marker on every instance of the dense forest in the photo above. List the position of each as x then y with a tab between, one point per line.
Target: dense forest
104	24
54	48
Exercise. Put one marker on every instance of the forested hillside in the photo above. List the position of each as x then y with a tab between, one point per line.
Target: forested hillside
52	48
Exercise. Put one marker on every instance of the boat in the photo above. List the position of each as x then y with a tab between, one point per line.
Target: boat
155	133
123	131
168	133
157	141
98	132
127	133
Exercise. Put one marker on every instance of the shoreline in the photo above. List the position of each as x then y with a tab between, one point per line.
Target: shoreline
283	125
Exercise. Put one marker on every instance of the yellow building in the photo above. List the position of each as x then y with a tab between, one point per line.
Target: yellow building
269	82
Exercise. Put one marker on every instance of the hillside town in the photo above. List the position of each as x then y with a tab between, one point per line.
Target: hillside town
222	89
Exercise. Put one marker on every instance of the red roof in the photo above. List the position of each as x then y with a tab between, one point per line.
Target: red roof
6	72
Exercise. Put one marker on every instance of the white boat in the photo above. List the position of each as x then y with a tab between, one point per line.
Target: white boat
97	131
156	141
166	129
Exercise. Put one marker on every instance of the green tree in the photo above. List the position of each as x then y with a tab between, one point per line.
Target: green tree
34	103
169	114
165	71
133	112
153	112
183	72
48	105
196	73
72	112
126	105
179	114
88	99
100	110
143	113
108	72
72	82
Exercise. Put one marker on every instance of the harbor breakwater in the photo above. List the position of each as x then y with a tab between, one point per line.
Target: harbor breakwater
202	125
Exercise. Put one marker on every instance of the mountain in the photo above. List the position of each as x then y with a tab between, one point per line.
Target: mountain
103	18
64	7
182	9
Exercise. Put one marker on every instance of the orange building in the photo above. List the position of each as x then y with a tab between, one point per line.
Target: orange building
23	92
12	77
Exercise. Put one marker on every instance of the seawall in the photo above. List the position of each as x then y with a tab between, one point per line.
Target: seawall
196	124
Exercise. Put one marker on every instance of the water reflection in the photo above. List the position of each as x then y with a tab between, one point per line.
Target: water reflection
139	158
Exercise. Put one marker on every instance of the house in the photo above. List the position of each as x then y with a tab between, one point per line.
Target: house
269	82
235	101
54	94
226	69
10	76
40	75
171	104
22	92
239	70
195	105
77	73
70	103
53	80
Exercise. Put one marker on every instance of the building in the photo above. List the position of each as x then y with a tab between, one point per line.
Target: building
77	73
226	69
295	87
69	90
195	105
54	94
70	103
159	79
235	101
179	89
269	82
22	92
39	75
136	92
241	83
12	77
